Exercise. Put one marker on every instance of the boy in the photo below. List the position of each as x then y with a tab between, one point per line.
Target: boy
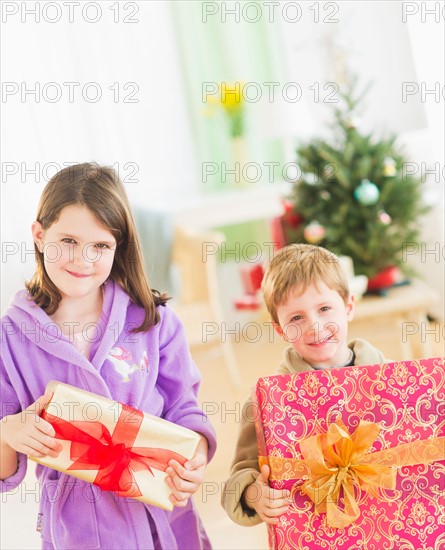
307	296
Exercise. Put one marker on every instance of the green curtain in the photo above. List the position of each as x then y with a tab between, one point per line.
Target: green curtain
216	49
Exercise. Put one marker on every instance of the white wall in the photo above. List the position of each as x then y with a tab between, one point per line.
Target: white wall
370	39
427	37
149	140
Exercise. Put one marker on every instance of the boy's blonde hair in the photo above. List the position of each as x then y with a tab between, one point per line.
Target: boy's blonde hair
298	266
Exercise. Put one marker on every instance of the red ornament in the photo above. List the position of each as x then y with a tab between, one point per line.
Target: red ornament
290	216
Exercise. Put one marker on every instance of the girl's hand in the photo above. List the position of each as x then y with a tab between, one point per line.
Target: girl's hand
185	480
268	503
27	433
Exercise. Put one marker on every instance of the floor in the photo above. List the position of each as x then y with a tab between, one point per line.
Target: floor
257	356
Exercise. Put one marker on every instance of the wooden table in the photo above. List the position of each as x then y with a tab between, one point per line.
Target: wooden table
401	316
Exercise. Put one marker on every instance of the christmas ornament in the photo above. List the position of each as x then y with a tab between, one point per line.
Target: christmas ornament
314	232
384	217
389	167
367	193
353	122
290	216
310	178
325	195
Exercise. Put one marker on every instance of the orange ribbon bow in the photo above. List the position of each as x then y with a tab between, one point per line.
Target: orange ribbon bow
338	462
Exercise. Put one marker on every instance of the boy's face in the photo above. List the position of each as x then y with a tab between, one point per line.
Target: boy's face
315	323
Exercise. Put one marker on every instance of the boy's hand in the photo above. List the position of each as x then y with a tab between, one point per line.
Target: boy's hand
185	480
27	433
268	503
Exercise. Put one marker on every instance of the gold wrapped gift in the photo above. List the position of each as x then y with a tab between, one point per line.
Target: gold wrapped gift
115	446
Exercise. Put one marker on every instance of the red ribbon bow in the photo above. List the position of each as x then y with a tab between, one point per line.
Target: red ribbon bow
94	448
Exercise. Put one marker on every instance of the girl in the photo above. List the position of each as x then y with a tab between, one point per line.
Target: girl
88	318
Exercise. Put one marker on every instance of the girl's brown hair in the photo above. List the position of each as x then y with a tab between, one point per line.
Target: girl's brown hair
99	189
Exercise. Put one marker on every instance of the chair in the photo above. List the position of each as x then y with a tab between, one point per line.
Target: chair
194	256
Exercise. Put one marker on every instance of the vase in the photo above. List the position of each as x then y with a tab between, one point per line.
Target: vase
239	156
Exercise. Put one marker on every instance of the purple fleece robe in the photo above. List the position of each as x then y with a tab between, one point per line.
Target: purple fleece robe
151	371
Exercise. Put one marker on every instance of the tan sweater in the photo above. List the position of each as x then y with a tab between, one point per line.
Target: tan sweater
245	469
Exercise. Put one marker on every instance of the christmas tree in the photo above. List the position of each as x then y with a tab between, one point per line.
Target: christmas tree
353	196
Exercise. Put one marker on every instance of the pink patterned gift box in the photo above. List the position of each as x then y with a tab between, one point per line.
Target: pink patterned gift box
362	450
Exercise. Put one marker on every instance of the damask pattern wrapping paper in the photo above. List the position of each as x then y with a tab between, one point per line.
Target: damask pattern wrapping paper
362	450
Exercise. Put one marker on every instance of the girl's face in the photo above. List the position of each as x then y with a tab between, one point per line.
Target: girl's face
78	252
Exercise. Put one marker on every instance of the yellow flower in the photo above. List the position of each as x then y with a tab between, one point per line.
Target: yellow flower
231	100
232	96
